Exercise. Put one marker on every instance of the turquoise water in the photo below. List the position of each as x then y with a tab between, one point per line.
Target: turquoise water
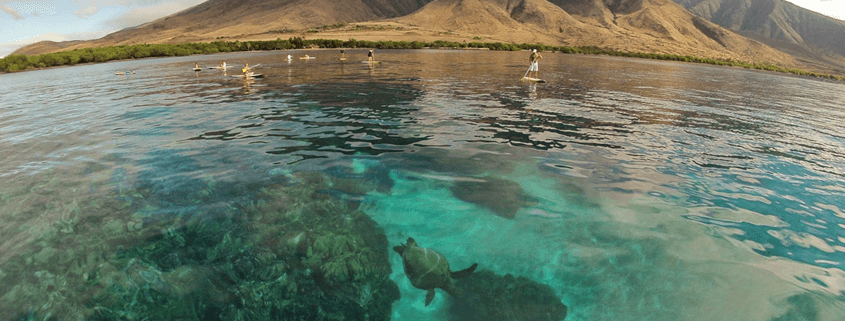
633	189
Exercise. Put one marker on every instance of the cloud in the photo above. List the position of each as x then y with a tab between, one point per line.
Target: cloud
139	16
12	12
140	12
84	13
36	8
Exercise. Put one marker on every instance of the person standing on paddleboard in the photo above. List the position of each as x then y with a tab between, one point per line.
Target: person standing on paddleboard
535	66
370	56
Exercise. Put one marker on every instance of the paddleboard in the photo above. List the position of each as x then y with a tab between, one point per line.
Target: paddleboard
197	69
342	58
533	79
251	75
307	57
370	62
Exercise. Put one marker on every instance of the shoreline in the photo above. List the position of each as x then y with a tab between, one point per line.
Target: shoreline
19	63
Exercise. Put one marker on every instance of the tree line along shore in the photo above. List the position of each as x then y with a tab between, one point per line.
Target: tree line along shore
14	63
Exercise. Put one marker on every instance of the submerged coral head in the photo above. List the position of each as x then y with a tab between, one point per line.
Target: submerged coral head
503	197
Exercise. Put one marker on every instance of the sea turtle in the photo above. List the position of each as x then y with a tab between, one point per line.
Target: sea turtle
428	269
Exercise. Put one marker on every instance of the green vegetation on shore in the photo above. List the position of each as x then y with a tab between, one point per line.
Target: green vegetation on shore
23	62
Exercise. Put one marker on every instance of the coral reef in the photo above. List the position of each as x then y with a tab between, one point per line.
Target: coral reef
289	250
486	296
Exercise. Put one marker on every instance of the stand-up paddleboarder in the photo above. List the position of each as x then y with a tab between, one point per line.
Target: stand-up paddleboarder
535	66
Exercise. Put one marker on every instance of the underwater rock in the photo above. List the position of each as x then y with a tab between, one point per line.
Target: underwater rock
503	197
802	306
339	258
44	256
134	225
359	179
486	296
260	265
147	277
114	228
374	238
444	161
296	242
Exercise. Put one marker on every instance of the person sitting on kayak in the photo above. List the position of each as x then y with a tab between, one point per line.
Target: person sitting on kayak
370	56
535	57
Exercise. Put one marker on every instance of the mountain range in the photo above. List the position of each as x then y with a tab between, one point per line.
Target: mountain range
748	30
778	23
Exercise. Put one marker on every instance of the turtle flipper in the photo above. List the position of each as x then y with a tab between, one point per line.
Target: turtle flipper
464	273
429	297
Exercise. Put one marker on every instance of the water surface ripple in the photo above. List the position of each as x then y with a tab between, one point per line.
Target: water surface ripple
636	189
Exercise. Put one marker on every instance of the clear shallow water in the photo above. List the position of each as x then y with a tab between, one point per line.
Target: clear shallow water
635	189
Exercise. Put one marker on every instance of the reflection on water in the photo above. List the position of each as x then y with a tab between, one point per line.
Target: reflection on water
622	188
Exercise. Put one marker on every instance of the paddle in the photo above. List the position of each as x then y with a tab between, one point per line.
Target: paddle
526	73
250	68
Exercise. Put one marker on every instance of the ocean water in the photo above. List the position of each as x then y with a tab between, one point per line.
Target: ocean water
632	189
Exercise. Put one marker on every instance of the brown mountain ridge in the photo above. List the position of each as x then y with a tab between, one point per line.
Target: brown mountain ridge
652	26
778	23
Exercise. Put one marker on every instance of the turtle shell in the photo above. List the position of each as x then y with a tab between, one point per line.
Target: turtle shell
425	268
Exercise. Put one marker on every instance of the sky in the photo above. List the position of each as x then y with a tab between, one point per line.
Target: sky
23	22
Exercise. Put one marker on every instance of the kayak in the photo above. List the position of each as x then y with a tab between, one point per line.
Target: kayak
533	79
197	69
